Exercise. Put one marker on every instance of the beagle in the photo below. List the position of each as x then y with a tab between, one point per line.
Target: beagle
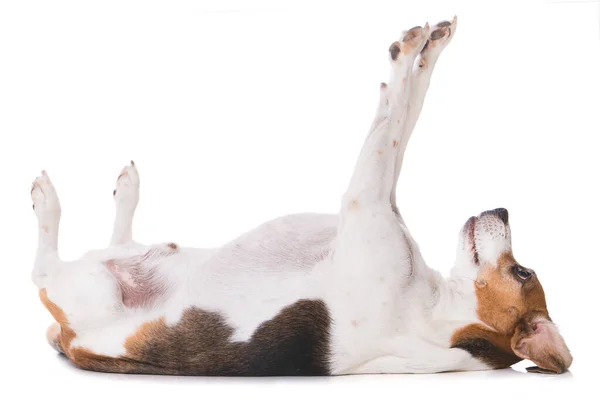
306	294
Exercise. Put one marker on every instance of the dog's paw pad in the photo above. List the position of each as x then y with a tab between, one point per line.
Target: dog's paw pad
440	37
394	50
439	33
413	40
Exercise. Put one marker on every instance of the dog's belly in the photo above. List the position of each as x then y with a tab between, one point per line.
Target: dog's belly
291	243
250	279
243	284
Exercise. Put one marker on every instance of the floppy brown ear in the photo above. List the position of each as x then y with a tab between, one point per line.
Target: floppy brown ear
537	339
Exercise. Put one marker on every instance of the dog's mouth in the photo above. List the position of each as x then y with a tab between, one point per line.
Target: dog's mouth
469	232
493	224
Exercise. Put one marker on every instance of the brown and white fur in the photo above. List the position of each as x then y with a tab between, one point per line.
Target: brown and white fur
305	294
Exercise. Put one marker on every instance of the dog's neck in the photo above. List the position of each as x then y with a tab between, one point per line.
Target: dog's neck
457	301
453	300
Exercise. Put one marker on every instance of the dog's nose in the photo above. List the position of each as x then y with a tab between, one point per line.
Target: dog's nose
501	213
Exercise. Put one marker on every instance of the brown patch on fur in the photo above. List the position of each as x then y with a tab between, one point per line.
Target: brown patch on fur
503	301
395	143
173	246
515	309
354	205
145	333
511	305
379	152
88	360
66	335
490	347
294	342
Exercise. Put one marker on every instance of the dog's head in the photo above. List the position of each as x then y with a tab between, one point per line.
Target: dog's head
510	297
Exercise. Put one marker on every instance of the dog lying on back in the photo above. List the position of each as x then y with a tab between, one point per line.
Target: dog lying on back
306	294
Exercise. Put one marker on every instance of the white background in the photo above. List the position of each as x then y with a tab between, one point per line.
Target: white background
240	111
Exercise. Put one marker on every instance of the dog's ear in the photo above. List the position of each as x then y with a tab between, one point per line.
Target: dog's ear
537	339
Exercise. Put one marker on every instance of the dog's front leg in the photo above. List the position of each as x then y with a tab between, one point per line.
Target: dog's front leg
421	76
372	258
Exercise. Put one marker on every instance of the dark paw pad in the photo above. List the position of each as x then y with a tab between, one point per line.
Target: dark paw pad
394	50
438	34
411	34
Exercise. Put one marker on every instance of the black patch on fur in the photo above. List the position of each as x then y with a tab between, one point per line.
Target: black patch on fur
295	342
487	352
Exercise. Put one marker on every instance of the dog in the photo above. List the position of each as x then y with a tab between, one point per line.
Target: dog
306	294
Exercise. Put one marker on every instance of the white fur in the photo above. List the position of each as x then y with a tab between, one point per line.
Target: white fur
391	313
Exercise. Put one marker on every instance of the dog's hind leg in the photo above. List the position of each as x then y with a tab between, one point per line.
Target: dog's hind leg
79	294
47	209
440	36
126	197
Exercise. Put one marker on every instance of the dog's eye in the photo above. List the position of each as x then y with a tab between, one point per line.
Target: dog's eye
522	273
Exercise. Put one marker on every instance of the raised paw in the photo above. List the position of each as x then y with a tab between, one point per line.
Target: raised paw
45	200
128	187
411	43
440	37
